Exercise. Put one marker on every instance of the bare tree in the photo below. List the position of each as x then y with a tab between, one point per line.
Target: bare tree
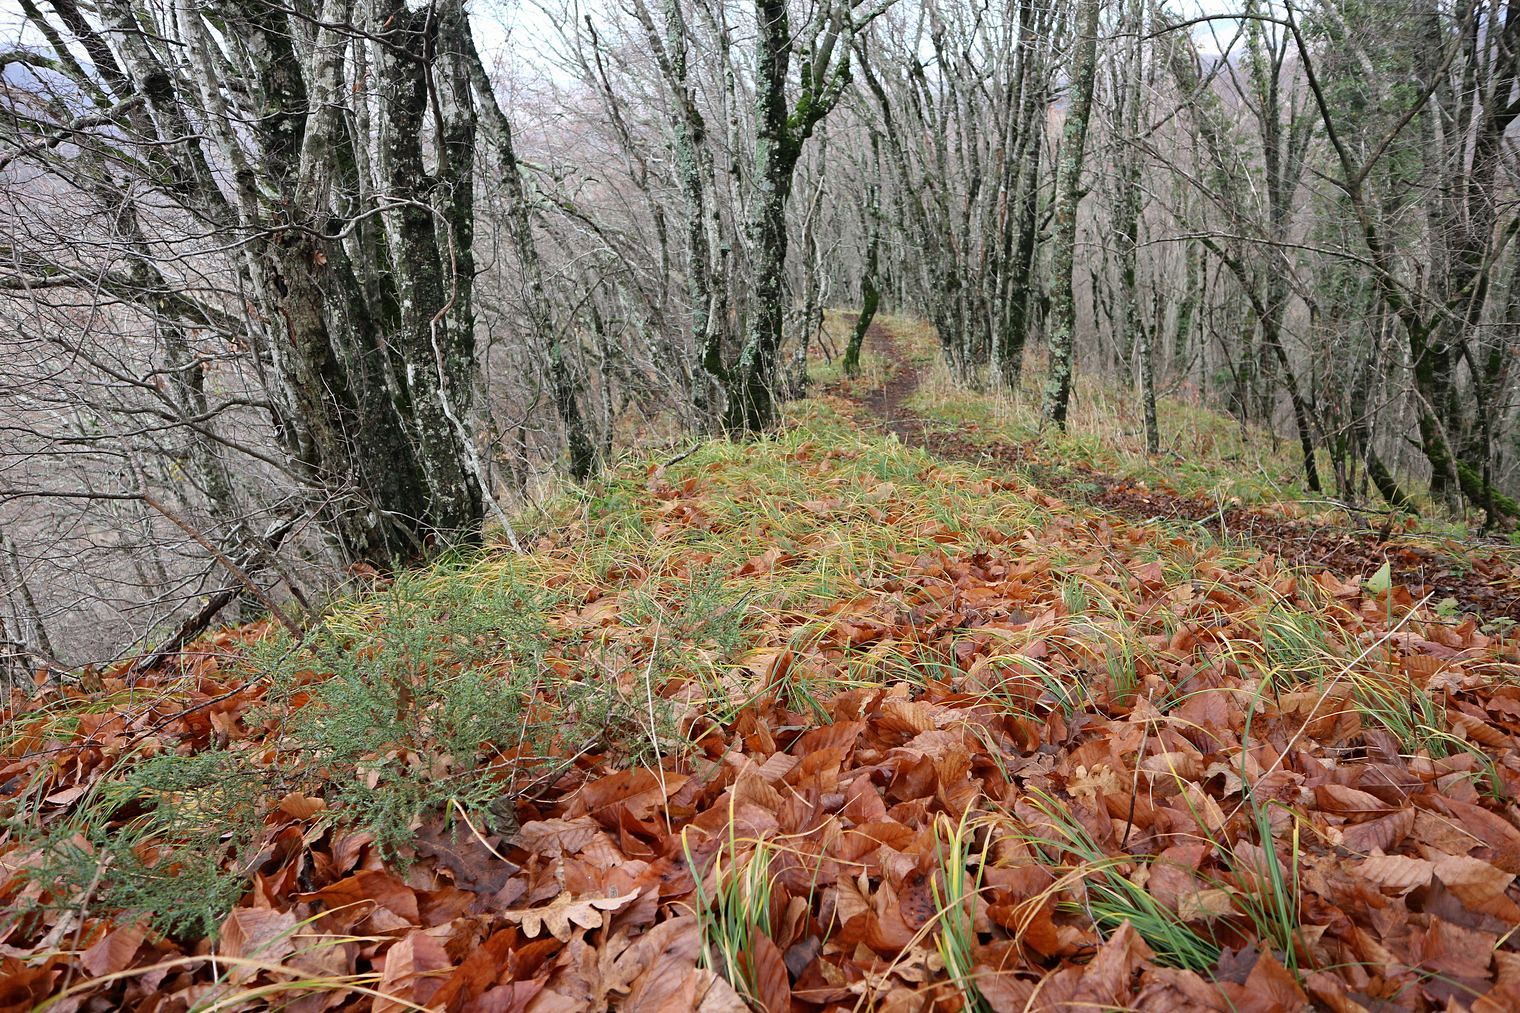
1063	322
783	124
964	128
294	180
1467	96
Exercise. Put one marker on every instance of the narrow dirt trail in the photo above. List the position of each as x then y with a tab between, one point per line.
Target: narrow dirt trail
1482	578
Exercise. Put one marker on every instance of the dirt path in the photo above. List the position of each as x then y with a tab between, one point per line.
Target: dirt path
1481	578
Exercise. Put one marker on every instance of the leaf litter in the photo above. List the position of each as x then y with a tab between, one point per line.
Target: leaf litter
1046	759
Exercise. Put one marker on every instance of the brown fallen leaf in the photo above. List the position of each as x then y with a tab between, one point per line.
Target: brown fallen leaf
1381	834
1479	885
1204	905
473	862
364	891
1106	979
301	807
411	973
714	995
1338	798
256	934
565	911
113	951
1273	987
554	837
660	967
773	989
1398	873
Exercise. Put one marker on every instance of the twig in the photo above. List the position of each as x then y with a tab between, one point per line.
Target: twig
195	624
221	557
683	455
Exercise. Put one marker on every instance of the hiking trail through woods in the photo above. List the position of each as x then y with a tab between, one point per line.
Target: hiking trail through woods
1481	576
815	722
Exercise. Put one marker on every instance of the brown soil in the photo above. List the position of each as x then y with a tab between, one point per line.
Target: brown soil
1480	576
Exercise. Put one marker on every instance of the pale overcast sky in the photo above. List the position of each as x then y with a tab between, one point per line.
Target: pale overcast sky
497	20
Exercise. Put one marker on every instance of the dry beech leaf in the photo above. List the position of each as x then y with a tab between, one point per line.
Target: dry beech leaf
113	951
554	837
773	989
660	968
716	995
301	807
67	795
1492	830
1505	995
1338	798
411	972
1452	950
1396	872
566	911
1381	834
1478	884
256	934
368	890
1270	981
1105	979
1203	808
1204	905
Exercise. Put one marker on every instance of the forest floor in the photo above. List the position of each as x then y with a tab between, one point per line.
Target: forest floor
1478	575
898	708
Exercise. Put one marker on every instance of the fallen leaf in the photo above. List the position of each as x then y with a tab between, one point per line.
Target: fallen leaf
256	934
301	807
410	973
1479	885
773	989
1398	873
566	911
114	951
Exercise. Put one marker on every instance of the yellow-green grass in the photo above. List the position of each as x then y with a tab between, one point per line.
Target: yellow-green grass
1203	452
835	508
790	526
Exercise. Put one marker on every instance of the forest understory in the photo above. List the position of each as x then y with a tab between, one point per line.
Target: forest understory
1475	573
883	710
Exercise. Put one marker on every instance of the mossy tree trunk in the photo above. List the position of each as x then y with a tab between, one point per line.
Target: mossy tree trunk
1063	308
782	126
870	295
325	152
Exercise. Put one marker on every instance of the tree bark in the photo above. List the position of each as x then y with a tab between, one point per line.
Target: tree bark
1063	315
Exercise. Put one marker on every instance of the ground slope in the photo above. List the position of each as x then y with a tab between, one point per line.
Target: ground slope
1479	575
825	721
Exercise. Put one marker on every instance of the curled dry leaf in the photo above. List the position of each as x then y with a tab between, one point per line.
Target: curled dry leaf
301	807
564	913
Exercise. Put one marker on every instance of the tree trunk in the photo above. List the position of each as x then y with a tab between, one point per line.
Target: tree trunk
1063	309
373	346
870	295
1134	336
751	382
